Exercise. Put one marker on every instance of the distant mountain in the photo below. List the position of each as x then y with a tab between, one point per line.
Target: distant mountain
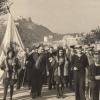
32	32
29	31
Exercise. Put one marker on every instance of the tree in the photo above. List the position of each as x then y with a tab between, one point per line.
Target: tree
4	7
96	33
93	36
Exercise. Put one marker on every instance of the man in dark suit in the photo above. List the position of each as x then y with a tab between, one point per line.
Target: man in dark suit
41	69
94	76
79	62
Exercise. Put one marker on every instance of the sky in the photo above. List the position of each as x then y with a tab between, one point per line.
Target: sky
62	16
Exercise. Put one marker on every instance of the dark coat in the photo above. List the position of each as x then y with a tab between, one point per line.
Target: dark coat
79	75
93	83
93	71
80	62
30	68
41	63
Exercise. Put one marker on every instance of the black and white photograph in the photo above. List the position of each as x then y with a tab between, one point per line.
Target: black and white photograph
49	49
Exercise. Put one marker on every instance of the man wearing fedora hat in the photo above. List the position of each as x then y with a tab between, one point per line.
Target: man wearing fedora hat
79	62
89	52
94	76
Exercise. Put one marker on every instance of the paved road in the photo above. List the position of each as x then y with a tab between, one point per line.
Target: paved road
23	94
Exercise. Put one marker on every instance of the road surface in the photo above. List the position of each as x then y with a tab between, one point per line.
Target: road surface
24	94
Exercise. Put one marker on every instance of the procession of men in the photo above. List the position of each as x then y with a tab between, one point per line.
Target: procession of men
75	68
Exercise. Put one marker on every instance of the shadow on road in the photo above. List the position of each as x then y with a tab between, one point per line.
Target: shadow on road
23	94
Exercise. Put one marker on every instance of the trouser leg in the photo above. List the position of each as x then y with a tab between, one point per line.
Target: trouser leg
94	92
76	85
39	85
87	91
33	92
70	78
40	89
50	81
18	83
82	87
34	88
5	92
66	80
77	96
29	73
6	84
82	92
11	91
58	90
53	82
62	90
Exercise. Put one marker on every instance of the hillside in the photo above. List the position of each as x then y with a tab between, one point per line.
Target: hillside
29	31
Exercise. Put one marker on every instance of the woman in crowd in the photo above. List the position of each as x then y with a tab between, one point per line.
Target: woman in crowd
51	65
60	72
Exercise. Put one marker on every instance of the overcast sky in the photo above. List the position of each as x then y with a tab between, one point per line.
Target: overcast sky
60	15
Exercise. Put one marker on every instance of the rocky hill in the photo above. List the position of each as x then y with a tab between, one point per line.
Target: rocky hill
29	31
